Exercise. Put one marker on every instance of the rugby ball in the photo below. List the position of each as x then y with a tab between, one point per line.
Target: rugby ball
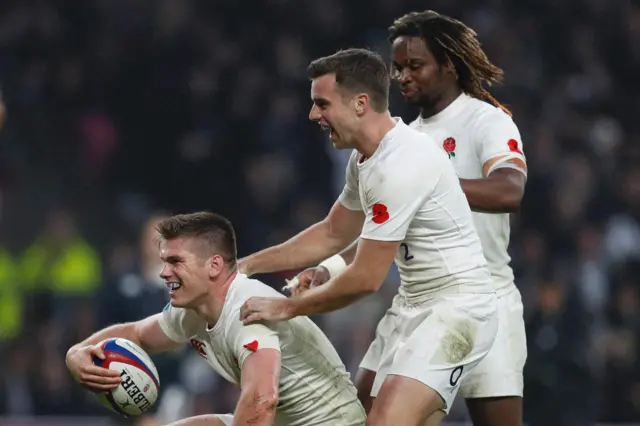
140	384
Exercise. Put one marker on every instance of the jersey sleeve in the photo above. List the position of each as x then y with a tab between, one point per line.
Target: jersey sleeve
173	323
350	196
394	195
247	339
500	143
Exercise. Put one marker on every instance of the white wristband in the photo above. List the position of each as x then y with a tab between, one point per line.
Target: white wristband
335	265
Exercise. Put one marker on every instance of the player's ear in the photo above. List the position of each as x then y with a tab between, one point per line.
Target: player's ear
361	102
215	264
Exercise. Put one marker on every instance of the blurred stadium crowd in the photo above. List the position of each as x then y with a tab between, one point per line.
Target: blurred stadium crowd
122	111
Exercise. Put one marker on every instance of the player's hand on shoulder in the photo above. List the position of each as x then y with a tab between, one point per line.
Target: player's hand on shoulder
97	379
311	277
257	309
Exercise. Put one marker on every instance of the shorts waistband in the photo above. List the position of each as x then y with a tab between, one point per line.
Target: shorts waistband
401	299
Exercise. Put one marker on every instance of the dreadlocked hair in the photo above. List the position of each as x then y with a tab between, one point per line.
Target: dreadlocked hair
453	42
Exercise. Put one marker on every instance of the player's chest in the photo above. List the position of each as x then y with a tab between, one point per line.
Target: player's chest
461	147
217	354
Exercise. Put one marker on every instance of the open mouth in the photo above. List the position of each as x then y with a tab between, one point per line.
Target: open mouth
173	286
327	129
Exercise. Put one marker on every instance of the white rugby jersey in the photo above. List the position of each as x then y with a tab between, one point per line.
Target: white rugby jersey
315	388
475	133
411	193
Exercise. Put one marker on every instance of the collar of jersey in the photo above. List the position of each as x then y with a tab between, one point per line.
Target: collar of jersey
453	109
389	136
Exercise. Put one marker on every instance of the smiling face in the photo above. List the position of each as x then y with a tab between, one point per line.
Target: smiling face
336	111
187	271
422	80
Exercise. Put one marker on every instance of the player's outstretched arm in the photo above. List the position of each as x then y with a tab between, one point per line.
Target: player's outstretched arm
320	241
327	269
145	333
391	205
364	276
259	383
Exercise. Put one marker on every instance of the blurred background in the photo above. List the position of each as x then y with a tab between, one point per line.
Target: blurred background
118	112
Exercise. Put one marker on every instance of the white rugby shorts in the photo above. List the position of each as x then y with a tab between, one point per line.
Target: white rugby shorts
437	342
500	372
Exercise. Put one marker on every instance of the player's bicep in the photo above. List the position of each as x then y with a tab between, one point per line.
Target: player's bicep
343	223
515	178
261	373
152	337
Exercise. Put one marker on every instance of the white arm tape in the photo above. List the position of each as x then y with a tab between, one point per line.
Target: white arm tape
504	162
291	284
335	265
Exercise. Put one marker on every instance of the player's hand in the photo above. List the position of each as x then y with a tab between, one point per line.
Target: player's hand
258	309
96	379
311	277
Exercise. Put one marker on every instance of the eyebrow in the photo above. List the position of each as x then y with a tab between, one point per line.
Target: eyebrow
171	259
320	101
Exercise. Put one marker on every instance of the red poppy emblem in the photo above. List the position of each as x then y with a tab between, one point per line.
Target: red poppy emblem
513	146
380	213
449	146
253	346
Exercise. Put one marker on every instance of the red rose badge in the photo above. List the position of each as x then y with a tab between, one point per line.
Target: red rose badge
513	146
380	213
449	146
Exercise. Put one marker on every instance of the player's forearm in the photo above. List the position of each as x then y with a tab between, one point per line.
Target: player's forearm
255	409
349	253
309	247
123	331
337	293
494	194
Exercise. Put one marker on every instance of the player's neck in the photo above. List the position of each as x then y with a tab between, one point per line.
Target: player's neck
372	133
442	103
211	307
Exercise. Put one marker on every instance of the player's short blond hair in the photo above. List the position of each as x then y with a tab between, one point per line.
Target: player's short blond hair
214	230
